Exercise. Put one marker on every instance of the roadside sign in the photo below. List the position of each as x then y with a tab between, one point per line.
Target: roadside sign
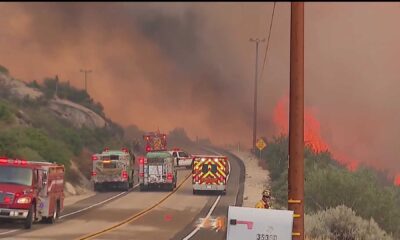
260	144
258	223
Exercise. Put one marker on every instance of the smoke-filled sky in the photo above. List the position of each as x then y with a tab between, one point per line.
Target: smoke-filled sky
191	65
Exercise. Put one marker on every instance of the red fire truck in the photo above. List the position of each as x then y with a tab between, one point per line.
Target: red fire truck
210	173
155	141
31	191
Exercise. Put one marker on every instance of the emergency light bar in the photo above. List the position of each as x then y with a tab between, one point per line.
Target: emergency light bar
125	150
13	161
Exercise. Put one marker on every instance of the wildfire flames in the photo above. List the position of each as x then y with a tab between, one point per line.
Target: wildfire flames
312	132
397	180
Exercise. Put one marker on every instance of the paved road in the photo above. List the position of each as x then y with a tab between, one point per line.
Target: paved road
142	215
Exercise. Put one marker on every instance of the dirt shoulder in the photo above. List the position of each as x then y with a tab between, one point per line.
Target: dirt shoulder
256	178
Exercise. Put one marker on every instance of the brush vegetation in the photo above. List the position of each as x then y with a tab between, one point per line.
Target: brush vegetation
328	185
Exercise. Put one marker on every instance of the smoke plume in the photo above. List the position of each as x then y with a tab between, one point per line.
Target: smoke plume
167	65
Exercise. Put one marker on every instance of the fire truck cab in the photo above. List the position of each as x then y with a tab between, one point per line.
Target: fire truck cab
210	173
31	191
157	169
113	168
155	141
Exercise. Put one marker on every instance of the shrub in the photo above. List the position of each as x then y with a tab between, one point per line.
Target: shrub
4	70
327	185
341	223
6	113
29	154
15	142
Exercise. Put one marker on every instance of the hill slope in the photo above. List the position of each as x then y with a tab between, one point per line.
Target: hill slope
36	124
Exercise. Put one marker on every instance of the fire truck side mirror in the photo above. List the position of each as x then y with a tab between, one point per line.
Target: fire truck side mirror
44	179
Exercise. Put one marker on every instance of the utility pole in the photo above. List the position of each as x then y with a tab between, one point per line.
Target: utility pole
86	71
296	120
257	41
56	93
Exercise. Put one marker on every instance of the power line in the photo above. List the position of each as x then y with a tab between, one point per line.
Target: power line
269	36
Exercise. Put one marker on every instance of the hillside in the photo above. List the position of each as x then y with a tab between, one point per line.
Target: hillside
36	124
68	127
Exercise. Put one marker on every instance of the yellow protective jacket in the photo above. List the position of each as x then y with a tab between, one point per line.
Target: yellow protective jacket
262	204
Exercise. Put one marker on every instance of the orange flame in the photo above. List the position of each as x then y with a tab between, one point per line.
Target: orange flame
397	180
312	132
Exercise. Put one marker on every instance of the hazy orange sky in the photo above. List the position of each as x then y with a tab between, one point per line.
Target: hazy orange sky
191	65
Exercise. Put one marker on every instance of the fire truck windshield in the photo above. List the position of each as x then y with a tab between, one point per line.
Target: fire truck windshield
15	175
205	168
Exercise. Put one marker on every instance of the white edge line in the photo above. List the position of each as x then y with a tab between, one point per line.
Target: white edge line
208	215
11	231
94	205
81	210
190	235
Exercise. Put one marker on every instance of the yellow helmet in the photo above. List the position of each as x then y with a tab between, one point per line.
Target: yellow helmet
266	193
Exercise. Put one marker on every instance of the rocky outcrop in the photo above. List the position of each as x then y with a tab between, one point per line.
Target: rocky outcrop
18	88
78	115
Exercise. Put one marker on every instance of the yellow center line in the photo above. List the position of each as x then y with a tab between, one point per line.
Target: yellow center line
135	216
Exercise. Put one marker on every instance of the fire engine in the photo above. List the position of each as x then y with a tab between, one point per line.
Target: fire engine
210	173
31	191
113	168
155	141
157	169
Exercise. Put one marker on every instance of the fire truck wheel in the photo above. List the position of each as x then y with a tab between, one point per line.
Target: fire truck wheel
55	216
99	187
142	188
170	187
29	218
125	186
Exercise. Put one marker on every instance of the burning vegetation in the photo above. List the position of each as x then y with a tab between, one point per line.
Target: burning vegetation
313	136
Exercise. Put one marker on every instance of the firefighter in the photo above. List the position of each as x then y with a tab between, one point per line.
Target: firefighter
264	202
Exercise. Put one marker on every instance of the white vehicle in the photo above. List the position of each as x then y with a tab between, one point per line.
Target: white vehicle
182	158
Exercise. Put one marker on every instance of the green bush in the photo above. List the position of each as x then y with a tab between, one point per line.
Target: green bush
327	185
359	190
6	113
4	70
28	153
341	223
15	142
